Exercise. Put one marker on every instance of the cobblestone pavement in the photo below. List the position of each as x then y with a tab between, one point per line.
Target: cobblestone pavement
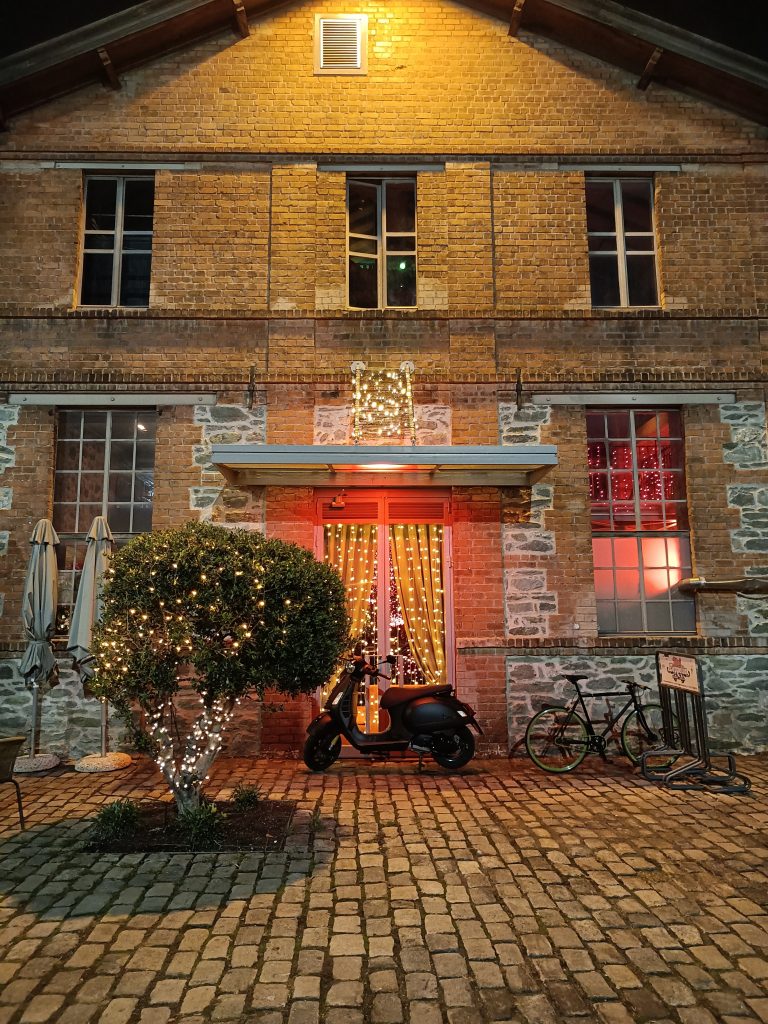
499	894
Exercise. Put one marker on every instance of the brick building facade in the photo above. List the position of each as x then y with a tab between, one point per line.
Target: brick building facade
247	335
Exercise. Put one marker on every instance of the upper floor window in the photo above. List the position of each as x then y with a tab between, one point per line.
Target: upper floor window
117	240
381	223
640	537
104	467
622	242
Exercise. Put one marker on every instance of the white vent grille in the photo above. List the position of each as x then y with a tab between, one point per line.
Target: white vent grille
340	45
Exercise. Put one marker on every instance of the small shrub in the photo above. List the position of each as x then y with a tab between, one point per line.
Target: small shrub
114	823
201	826
245	798
316	820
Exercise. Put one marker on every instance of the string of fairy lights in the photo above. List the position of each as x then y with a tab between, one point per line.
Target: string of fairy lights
383	403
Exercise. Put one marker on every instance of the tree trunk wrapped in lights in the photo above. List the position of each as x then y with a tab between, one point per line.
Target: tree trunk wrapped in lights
223	611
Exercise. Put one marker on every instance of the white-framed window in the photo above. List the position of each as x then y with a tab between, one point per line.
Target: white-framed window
341	44
117	240
640	536
622	242
105	464
381	247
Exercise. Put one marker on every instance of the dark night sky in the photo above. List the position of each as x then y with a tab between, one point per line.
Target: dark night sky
741	24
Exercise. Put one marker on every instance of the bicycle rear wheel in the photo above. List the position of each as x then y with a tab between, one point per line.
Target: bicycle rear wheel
556	740
641	732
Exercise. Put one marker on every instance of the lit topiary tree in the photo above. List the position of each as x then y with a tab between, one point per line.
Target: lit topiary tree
225	611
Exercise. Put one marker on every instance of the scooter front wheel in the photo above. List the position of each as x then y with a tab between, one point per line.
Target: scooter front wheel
322	748
455	750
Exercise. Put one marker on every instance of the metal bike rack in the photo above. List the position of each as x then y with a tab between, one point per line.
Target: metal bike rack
684	718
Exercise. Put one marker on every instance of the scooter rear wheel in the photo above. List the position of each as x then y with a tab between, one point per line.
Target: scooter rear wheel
322	749
462	753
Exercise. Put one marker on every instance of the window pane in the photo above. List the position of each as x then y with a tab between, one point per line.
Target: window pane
401	280
606	617
93	455
144	487
597	457
364	246
65	488
69	423
97	279
598	487
629	618
639	243
602	243
138	202
637	203
99	241
604	584
659	617
684	616
142	518
120	486
625	551
363	282
621	455
121	455
363	212
595	425
641	280
604	280
401	206
65	518
87	514
145	454
119	517
124	424
600	206
100	201
137	243
146	423
91	487
134	279
68	455
95	424
628	584
404	243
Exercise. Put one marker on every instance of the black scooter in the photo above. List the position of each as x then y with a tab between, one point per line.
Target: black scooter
425	719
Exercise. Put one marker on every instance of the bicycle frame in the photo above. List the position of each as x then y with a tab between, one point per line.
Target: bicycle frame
596	740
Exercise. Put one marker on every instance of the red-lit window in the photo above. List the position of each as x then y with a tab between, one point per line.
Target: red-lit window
640	543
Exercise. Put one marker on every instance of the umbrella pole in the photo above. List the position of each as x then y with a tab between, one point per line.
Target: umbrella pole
33	730
104	727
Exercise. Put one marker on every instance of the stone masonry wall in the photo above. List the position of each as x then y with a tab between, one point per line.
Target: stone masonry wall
734	685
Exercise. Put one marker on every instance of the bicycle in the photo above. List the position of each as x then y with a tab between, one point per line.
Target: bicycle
558	738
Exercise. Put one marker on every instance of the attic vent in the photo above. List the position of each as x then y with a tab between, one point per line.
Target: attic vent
341	45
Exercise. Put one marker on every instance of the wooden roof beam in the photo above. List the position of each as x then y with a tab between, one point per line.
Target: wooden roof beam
648	71
516	16
241	25
109	71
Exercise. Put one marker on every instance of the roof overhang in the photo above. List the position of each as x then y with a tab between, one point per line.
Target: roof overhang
383	465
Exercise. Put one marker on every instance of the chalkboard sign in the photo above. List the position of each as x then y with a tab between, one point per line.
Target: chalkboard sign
679	672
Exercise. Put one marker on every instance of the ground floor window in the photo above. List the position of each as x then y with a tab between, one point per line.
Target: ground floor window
105	463
391	551
640	536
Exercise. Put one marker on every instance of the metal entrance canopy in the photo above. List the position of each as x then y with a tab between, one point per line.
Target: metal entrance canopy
380	465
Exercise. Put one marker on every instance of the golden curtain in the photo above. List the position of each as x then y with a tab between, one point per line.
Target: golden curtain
351	550
417	556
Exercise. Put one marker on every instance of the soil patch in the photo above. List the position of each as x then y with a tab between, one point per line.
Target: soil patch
263	827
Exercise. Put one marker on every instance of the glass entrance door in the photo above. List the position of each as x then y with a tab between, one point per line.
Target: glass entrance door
393	554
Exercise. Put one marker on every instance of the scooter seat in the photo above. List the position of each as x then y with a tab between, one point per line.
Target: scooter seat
402	694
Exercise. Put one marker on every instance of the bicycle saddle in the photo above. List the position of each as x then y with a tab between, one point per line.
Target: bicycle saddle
574	678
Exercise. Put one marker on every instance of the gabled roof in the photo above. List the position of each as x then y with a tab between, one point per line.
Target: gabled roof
692	48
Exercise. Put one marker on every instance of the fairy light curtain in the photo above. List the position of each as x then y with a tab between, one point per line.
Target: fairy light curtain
351	550
383	404
417	555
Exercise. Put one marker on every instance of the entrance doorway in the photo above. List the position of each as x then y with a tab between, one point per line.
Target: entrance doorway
392	549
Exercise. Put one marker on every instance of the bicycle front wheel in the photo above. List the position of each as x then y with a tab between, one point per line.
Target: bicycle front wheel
642	731
556	740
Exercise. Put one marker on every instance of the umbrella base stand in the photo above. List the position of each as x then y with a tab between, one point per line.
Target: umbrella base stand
103	762
35	763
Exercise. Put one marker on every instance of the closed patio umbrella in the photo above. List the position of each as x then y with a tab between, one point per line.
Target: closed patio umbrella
87	611
38	616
